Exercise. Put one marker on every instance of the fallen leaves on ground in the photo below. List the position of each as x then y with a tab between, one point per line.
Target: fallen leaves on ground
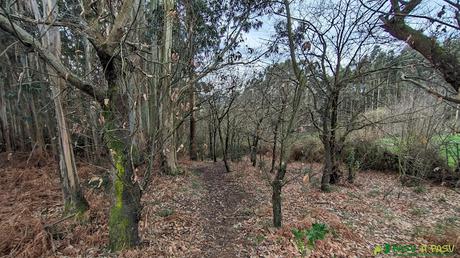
208	213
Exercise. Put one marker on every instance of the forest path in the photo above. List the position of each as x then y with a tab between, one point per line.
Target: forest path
224	207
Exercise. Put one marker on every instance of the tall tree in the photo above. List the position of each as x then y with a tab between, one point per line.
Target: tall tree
51	41
324	56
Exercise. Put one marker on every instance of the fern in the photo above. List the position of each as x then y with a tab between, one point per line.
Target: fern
305	239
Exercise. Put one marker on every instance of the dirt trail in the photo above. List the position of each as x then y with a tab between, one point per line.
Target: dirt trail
223	208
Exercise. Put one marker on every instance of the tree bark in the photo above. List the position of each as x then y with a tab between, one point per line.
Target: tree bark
74	200
4	117
168	153
224	146
276	195
192	133
125	211
190	20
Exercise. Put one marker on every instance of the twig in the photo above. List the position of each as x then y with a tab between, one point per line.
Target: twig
30	155
321	202
60	220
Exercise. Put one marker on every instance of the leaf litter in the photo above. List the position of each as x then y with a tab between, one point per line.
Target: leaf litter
206	212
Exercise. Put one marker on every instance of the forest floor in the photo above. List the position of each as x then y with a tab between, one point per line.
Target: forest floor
206	212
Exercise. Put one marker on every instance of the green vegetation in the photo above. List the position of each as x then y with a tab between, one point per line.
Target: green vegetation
165	212
418	212
420	189
305	239
258	239
448	147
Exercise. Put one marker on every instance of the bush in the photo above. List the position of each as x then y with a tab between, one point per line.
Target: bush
308	150
414	160
418	161
371	155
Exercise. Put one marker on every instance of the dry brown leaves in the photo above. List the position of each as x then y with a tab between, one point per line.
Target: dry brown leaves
178	212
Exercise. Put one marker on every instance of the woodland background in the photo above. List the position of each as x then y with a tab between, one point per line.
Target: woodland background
134	127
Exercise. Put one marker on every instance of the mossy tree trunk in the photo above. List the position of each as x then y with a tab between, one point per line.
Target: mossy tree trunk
126	206
125	211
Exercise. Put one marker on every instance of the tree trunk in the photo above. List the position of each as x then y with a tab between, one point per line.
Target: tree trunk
125	211
4	117
190	23
40	149
75	200
214	140
192	135
276	195
168	154
224	145
255	143
210	135
331	173
254	147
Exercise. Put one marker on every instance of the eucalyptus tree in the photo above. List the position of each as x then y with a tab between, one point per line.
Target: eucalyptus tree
110	29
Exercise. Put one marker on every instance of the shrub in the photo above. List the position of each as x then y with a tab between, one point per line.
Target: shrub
419	161
371	155
414	159
309	149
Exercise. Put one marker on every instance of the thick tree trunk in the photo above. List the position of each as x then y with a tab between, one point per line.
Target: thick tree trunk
125	211
331	173
126	207
168	154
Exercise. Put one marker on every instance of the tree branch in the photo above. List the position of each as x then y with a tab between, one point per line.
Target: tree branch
431	91
29	41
